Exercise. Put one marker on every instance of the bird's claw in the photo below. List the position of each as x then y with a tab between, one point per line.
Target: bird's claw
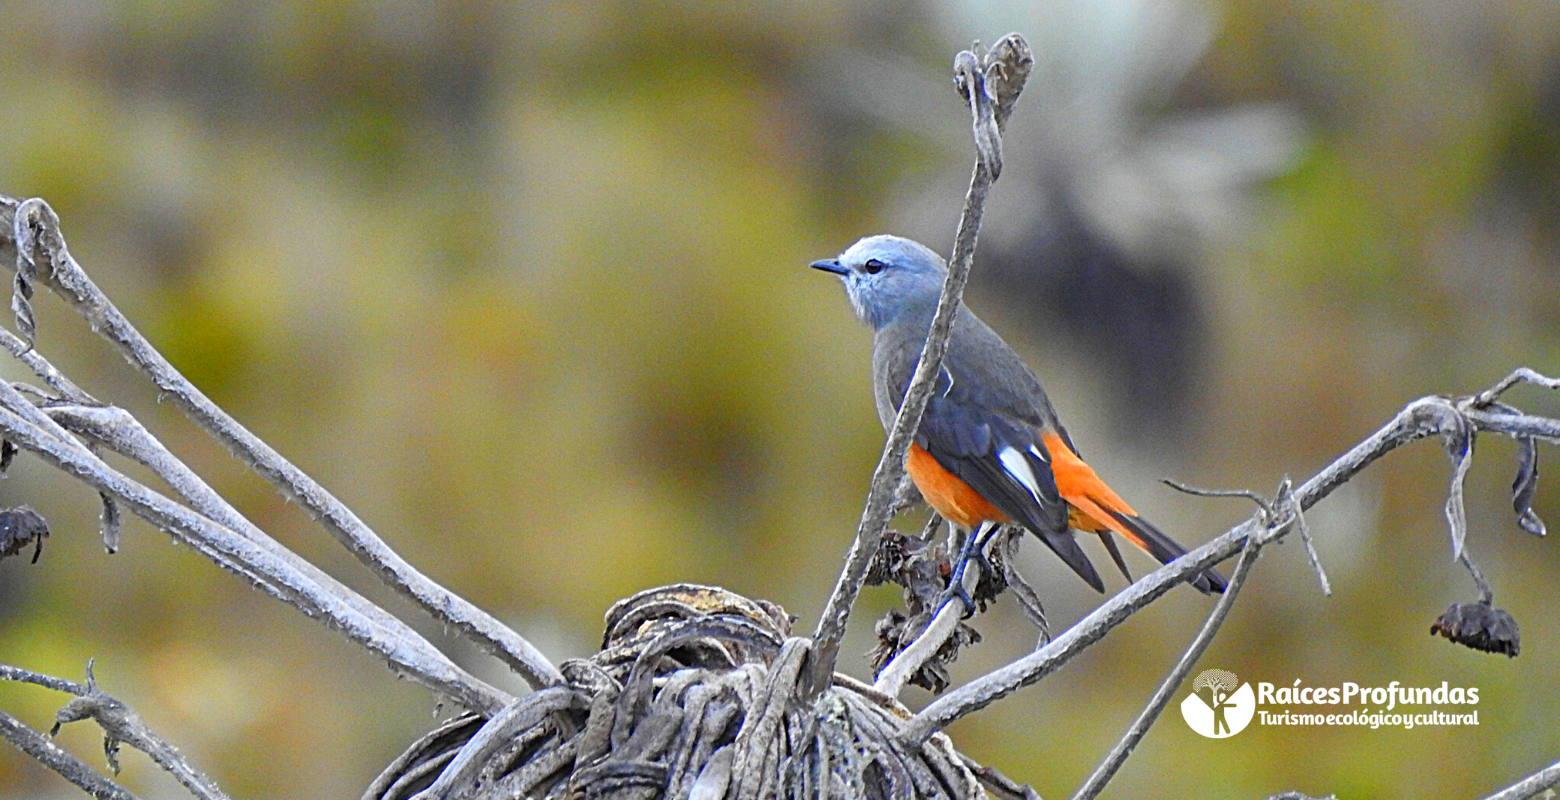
974	550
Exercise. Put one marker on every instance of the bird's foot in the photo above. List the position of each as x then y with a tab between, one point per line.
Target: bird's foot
973	551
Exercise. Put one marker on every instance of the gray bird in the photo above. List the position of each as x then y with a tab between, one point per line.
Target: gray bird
990	449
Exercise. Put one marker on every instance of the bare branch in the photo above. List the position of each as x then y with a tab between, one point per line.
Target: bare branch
121	724
10	673
970	75
1518	375
1515	424
1261	501
1284	492
37	238
46	752
1129	740
1310	548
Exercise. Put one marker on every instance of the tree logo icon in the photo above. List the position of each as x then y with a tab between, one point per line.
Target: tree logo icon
1216	708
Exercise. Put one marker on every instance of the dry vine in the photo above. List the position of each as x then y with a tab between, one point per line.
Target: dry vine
697	692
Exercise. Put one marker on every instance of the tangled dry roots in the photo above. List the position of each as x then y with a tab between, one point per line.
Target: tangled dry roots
693	695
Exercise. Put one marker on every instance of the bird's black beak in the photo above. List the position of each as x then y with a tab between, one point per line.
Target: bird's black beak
829	265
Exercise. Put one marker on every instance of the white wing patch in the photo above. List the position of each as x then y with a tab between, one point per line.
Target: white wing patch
1040	454
1015	465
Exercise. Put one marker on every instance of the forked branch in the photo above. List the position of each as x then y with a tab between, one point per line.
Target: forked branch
120	724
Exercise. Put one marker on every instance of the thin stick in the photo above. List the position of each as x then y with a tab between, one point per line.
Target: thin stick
1201	492
1283	491
46	752
10	673
120	723
1129	740
1518	375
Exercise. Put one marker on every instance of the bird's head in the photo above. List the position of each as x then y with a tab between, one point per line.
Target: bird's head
886	276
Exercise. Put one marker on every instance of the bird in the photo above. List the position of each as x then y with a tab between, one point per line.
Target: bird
990	449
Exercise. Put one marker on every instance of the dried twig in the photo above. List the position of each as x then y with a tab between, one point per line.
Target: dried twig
120	725
46	752
1196	491
1284	490
1156	704
1518	375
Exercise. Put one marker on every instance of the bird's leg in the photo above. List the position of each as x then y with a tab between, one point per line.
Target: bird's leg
974	549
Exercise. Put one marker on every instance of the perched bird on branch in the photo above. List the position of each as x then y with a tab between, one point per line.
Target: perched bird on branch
990	449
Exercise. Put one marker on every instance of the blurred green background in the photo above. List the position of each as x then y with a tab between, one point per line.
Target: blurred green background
525	285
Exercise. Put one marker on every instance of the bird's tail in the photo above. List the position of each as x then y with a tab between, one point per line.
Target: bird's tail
1066	548
1141	533
1097	508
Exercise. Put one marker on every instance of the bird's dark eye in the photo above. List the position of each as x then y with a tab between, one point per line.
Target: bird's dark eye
874	266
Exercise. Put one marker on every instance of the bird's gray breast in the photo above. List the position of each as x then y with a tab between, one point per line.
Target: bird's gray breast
895	352
981	374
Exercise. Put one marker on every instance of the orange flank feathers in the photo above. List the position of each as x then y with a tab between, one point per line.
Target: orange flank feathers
953	498
1088	498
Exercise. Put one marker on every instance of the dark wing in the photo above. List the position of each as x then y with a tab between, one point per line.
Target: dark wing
1004	460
